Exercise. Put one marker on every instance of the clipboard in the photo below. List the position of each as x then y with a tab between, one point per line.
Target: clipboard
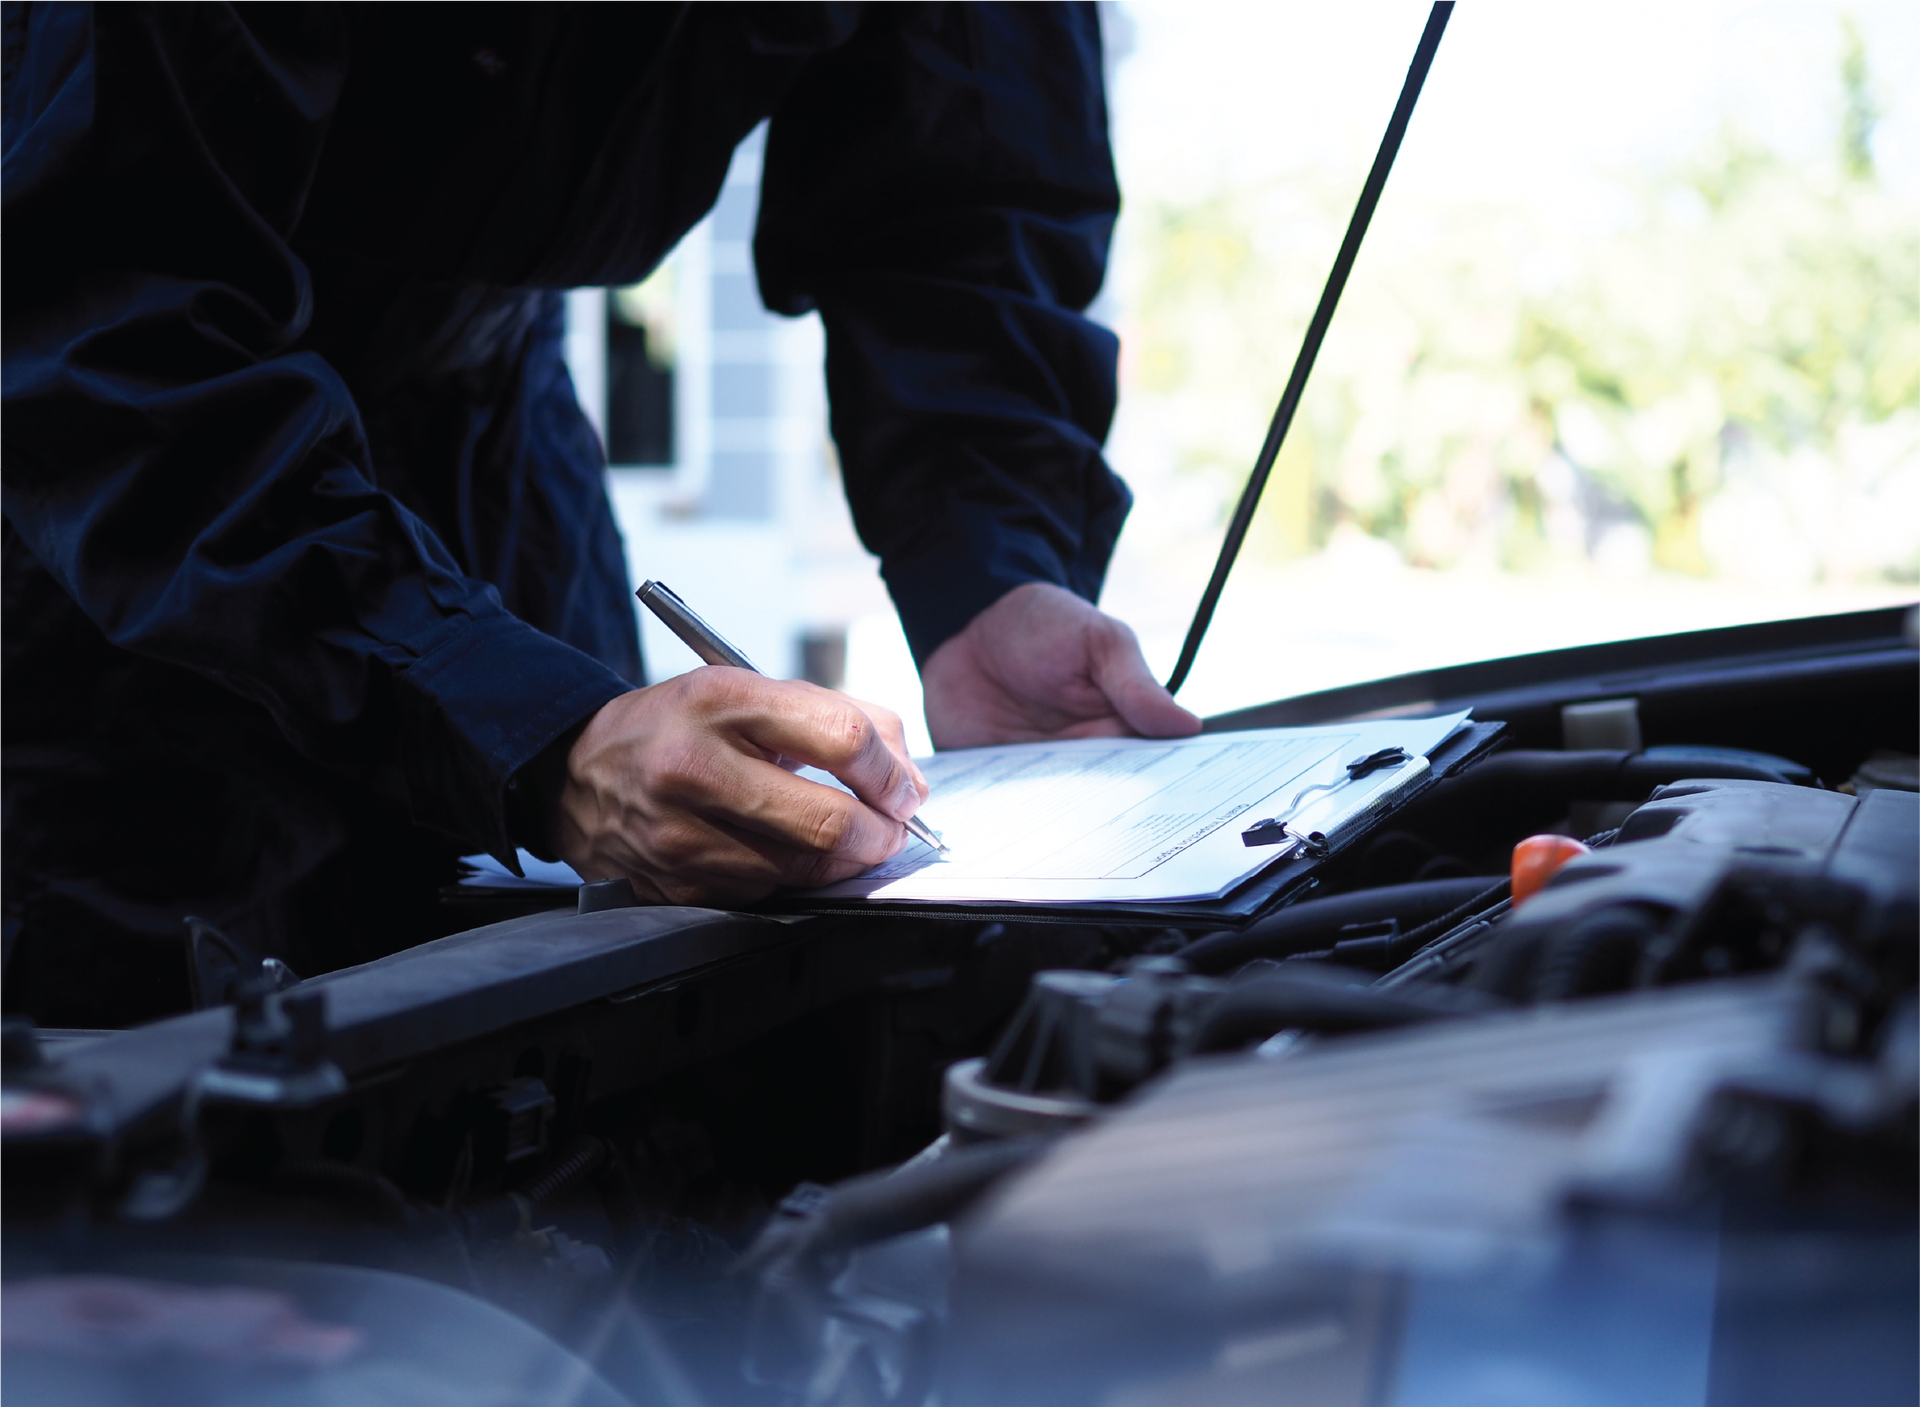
1288	879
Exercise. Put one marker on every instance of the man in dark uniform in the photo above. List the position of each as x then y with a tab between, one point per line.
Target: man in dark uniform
311	581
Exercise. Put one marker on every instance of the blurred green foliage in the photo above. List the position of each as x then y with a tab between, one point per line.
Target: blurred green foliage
1729	386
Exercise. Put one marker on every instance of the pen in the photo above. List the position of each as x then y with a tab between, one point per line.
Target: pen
705	642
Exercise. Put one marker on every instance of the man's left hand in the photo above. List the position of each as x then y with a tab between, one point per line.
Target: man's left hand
1041	663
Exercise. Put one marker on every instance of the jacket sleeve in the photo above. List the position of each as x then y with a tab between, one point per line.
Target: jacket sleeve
942	190
199	487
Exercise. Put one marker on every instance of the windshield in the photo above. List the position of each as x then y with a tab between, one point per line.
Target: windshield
1633	345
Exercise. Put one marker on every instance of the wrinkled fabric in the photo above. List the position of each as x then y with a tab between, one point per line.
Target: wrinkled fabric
307	548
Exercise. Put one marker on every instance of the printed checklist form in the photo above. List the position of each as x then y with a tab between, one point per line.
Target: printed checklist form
1112	820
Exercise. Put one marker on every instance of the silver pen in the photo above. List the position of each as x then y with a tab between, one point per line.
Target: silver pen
705	642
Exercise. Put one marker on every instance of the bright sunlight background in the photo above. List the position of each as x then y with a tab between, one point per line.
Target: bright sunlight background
1633	345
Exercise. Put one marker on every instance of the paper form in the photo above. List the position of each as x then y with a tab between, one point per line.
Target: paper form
1102	820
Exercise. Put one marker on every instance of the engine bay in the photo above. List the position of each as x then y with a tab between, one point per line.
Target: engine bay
1641	1129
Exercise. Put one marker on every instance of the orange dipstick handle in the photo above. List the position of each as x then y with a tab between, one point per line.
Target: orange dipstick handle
1537	859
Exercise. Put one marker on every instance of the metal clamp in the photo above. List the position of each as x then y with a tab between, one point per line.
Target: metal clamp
1273	830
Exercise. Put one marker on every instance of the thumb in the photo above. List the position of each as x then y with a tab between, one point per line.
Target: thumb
1120	671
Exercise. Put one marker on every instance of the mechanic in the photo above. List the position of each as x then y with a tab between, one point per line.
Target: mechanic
311	580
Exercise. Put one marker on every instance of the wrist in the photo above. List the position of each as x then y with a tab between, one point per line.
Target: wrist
533	796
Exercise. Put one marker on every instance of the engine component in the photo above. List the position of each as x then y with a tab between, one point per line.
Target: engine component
814	1264
1317	923
1242	1215
1444	1164
1304	996
1894	771
816	1224
1537	859
597	896
217	965
1699	761
516	1122
1601	723
1085	1038
1710	878
1040	1077
1611	775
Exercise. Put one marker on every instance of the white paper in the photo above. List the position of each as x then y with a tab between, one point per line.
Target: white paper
1103	820
485	872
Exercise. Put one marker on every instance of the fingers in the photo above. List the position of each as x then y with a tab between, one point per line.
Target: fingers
825	730
756	798
728	870
679	788
1120	671
690	858
895	733
1043	663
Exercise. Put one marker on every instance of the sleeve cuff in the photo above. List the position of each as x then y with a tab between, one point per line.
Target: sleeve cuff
479	706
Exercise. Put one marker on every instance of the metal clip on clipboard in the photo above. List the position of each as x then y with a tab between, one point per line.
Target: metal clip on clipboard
1273	830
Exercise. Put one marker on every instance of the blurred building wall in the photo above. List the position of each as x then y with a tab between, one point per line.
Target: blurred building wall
746	521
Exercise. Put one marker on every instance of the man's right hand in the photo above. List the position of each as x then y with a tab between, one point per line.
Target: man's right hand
680	788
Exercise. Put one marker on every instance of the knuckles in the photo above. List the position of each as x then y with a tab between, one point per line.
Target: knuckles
713	692
829	829
1113	638
681	772
857	737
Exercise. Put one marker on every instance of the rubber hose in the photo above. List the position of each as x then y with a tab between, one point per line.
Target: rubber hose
1411	943
872	1209
584	1156
1598	954
1597	775
879	1206
1307	926
371	1193
1283	1001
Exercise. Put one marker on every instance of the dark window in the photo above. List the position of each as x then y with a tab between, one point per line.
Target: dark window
639	378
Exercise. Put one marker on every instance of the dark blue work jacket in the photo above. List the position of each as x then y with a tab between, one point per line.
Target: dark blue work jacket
308	553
